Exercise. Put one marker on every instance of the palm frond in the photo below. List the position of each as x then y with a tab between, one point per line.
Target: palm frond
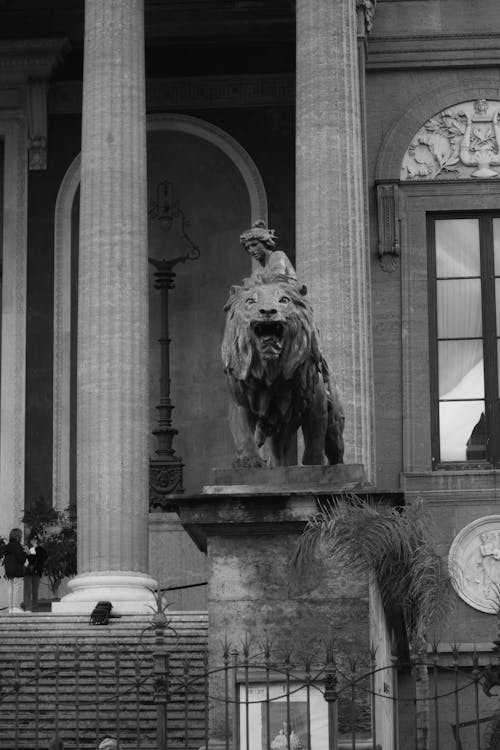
394	543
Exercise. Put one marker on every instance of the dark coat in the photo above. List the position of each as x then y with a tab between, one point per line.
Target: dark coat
36	562
14	560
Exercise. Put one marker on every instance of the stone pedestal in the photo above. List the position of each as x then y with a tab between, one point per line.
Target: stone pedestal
250	533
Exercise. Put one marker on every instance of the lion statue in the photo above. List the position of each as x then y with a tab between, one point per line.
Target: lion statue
278	378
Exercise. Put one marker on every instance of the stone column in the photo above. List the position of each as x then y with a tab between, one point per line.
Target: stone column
113	356
332	254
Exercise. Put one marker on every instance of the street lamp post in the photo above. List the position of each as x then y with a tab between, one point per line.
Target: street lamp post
166	471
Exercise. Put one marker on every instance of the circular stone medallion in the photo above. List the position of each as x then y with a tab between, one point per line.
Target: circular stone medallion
474	564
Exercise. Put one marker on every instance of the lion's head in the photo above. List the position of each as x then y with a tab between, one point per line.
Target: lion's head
269	330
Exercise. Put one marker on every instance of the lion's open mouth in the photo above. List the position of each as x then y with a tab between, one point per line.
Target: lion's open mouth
269	335
268	329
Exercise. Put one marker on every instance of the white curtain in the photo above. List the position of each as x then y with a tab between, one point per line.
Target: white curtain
459	313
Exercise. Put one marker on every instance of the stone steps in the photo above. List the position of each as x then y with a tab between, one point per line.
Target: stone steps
60	672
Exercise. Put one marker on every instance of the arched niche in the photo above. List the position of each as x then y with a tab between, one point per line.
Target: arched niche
220	190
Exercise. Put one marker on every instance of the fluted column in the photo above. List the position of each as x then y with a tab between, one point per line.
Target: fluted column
113	399
332	255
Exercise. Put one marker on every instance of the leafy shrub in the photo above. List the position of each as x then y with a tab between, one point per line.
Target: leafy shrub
57	533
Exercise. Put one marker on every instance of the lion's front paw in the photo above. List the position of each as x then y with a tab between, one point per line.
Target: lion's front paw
249	462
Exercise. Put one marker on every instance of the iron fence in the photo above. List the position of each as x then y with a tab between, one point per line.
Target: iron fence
151	697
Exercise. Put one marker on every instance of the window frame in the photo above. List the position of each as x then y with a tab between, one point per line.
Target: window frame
489	337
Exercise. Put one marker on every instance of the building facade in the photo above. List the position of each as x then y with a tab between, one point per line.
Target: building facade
366	133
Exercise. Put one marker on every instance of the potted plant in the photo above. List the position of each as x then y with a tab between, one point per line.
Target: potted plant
57	533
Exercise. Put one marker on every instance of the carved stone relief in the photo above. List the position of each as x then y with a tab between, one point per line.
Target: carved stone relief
474	562
460	142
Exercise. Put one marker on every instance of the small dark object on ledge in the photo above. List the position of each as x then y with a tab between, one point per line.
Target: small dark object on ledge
101	613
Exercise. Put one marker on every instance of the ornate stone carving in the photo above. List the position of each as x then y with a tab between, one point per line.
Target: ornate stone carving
367	9
37	125
165	479
389	248
474	562
460	142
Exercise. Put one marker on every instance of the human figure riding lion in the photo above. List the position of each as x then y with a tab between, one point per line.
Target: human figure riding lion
279	380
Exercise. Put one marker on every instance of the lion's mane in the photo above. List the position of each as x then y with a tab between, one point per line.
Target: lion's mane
300	343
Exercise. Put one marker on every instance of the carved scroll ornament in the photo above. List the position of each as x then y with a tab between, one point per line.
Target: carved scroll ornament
389	248
460	142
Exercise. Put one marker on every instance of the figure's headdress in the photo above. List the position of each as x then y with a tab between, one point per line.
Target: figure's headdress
259	231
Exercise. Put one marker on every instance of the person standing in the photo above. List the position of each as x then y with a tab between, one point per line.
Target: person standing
37	556
14	561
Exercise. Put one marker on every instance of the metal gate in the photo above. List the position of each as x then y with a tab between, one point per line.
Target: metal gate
250	696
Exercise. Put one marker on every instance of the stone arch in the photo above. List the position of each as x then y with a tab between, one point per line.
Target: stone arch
226	143
422	108
62	274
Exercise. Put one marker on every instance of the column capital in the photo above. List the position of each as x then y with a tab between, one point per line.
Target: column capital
25	59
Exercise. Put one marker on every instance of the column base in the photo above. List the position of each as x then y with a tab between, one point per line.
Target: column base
130	593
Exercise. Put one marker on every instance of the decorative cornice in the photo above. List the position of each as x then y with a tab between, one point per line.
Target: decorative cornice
167	94
438	50
21	59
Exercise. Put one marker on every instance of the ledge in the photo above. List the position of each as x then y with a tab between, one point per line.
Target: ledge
442	481
280	501
289	480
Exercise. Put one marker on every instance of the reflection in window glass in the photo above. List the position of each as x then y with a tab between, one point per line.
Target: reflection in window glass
461	369
457	247
462	428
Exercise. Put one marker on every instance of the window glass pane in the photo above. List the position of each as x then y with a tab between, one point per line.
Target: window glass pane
459	308
462	428
457	247
461	372
496	245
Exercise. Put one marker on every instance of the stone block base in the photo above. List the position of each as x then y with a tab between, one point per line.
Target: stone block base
249	522
291	480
